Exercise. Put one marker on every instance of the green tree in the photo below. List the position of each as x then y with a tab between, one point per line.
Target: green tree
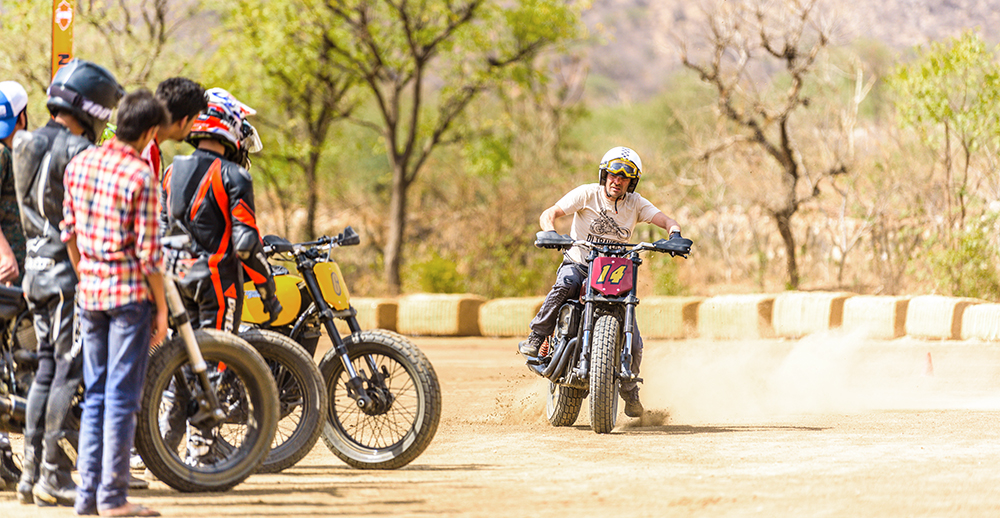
298	93
140	43
951	95
421	65
761	58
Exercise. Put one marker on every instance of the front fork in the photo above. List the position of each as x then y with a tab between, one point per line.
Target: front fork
628	330
210	411
355	382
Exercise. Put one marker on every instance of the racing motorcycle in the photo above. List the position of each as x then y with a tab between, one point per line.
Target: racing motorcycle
217	383
590	350
384	399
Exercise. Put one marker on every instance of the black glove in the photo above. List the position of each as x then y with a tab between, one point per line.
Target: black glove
273	308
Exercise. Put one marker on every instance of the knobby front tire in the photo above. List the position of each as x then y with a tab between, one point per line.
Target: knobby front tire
604	366
395	437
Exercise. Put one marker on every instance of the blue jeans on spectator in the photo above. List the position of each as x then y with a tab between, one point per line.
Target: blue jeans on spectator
115	355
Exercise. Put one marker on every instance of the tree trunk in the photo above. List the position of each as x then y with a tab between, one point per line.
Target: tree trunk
784	221
312	197
397	229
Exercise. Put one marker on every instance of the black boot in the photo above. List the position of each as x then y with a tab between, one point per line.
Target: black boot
529	348
10	474
29	470
55	486
633	407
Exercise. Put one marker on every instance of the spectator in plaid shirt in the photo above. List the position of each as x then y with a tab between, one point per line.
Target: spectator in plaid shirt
111	229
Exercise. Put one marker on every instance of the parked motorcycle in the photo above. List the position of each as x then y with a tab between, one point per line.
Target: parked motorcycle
216	386
222	388
590	350
384	396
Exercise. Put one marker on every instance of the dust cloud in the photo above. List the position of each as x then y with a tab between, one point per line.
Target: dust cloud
758	381
824	373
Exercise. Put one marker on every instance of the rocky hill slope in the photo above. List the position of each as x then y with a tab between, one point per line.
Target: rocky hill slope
636	38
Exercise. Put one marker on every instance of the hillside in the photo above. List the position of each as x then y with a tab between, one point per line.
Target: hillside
636	37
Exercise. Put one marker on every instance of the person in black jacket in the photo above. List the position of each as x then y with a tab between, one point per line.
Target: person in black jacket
81	98
209	195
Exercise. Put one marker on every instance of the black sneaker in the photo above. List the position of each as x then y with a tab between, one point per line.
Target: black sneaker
529	347
633	407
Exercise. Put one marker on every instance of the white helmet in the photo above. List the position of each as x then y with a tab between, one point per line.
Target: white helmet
621	161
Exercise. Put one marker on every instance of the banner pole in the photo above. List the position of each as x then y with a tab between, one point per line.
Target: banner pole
63	12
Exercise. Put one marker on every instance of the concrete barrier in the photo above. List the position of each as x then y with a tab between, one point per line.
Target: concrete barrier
509	316
879	317
439	315
373	313
981	322
936	316
799	313
668	317
736	317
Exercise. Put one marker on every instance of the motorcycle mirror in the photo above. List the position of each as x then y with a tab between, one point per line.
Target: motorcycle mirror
349	237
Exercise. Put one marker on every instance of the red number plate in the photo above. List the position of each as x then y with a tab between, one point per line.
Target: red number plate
611	275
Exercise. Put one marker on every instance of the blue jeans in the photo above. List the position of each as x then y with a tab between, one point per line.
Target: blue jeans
115	355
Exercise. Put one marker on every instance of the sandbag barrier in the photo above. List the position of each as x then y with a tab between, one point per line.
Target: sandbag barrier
725	317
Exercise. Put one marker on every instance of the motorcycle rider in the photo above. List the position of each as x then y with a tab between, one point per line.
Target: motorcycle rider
209	194
605	212
81	98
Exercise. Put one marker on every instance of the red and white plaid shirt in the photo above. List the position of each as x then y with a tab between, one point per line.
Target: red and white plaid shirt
112	204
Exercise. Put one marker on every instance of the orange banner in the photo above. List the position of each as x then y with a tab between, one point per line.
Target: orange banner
62	33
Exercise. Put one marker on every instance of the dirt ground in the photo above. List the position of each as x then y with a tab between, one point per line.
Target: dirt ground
830	425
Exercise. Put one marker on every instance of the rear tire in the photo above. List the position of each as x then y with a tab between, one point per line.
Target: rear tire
247	393
395	436
301	398
562	407
604	366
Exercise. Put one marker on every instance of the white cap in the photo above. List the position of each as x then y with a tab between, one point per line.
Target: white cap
13	101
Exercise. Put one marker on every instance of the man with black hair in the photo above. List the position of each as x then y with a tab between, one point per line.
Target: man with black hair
80	99
111	230
185	100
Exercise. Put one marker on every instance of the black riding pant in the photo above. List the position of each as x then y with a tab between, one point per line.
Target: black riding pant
57	381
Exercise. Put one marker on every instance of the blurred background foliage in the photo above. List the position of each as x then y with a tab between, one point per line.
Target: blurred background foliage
546	87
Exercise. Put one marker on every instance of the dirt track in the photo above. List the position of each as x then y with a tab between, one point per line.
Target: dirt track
826	426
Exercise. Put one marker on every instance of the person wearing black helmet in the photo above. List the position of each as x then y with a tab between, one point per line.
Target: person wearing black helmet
605	212
80	99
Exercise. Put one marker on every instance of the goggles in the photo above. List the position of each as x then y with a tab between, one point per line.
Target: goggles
619	167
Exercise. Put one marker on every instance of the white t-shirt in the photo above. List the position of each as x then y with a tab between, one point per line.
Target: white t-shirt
598	220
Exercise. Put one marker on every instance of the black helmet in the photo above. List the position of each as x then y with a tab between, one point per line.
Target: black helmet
87	91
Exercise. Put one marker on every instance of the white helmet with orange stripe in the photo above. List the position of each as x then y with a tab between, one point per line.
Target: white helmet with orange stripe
225	121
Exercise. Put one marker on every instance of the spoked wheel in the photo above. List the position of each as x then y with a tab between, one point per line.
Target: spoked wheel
604	365
189	458
562	407
404	408
301	398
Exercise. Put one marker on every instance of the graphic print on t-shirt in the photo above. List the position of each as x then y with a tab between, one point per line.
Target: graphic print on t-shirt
605	225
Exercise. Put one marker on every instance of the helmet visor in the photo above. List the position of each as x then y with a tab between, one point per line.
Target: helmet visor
624	168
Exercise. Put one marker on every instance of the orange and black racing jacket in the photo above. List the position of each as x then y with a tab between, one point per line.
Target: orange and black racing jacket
212	198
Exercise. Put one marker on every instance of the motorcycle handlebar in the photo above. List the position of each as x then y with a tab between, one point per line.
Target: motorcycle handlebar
276	245
674	246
